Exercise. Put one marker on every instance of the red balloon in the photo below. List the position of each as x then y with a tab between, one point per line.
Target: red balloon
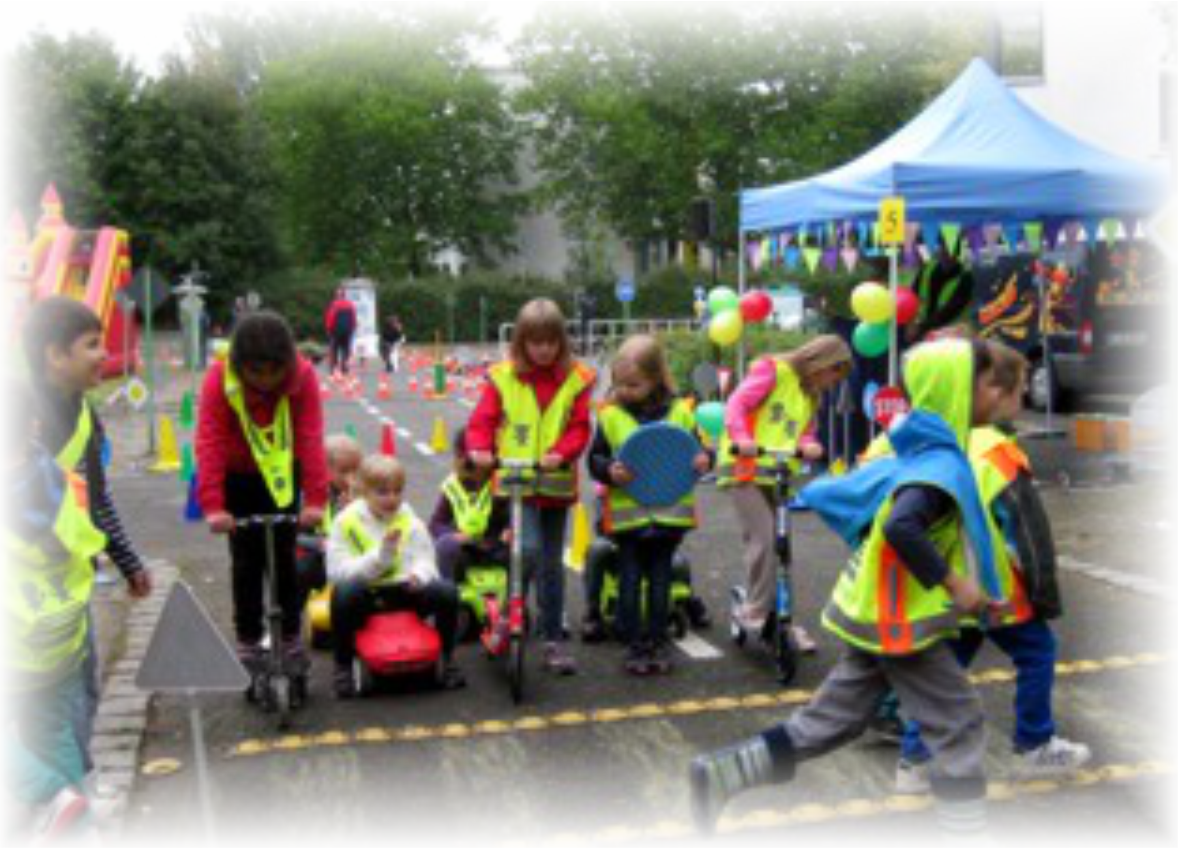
907	305
1059	275
755	307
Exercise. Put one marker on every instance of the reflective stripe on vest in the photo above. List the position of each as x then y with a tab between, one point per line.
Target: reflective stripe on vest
360	543
997	461
270	446
878	606
526	433
471	514
622	512
47	592
777	424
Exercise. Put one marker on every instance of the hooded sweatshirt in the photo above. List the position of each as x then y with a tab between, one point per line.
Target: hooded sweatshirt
929	474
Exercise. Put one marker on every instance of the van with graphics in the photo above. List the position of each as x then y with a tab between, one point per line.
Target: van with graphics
1100	312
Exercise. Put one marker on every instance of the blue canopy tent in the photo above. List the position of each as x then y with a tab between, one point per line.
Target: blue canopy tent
977	154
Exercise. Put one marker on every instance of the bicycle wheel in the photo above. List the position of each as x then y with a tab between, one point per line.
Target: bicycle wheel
515	669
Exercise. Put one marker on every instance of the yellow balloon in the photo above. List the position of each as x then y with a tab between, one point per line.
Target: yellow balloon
872	303
726	328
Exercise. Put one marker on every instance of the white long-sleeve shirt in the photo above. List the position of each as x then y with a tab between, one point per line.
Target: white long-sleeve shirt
419	559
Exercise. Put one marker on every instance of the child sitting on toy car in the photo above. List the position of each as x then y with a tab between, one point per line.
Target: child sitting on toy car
469	525
380	555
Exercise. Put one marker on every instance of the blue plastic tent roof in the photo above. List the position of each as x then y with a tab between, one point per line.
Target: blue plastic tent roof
976	154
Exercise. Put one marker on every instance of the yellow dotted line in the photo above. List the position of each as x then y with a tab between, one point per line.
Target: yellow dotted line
861	808
572	718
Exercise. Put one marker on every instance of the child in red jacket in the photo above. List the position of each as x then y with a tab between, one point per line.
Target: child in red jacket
535	405
259	443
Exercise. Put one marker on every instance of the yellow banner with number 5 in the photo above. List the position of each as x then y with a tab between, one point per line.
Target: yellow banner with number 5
891	220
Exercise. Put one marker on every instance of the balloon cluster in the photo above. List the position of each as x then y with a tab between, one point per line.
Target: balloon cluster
730	312
875	307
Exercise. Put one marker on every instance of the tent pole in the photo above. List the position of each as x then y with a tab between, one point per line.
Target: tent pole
740	287
893	284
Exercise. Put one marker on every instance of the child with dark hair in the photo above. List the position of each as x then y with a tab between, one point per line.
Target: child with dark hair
259	446
46	545
469	525
64	352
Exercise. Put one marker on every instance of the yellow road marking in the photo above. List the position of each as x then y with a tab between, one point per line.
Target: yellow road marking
537	723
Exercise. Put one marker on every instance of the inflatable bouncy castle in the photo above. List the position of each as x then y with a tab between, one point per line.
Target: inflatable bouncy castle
89	265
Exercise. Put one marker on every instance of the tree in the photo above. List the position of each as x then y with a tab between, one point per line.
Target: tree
195	187
631	107
72	106
391	146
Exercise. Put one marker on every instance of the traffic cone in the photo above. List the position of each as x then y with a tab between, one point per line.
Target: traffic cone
192	510
325	390
350	430
439	443
384	389
187	463
167	456
388	439
187	411
574	556
413	384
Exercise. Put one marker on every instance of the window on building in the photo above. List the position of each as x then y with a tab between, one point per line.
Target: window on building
1019	36
1169	101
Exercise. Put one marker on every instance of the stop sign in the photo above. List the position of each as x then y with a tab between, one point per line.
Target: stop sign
887	404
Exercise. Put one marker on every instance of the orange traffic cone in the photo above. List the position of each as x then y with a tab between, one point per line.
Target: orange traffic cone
413	384
325	390
384	390
388	439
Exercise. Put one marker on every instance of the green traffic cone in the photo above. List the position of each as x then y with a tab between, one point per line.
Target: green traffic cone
187	411
350	429
187	463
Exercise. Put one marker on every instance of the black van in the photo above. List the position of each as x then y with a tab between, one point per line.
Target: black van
1101	313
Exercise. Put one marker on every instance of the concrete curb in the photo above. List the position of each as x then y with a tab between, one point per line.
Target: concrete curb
121	722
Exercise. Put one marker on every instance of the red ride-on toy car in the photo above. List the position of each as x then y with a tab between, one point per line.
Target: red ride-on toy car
392	644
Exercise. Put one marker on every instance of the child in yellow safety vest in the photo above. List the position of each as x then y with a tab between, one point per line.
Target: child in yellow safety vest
1025	557
344	455
469	525
535	407
259	448
48	577
773	408
908	588
642	392
379	551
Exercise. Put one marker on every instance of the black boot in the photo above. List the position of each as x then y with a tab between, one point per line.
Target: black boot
716	777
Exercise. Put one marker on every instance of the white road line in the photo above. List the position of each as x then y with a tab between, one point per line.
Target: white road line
423	449
1118	579
403	433
697	648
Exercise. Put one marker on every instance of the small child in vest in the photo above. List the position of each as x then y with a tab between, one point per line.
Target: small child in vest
535	406
642	392
379	552
773	408
469	525
344	455
259	447
49	541
1025	556
63	347
908	588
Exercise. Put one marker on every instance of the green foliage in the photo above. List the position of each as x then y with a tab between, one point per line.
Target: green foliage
687	349
391	147
633	103
72	107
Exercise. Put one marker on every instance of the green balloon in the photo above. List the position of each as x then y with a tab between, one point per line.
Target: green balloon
721	299
710	418
871	339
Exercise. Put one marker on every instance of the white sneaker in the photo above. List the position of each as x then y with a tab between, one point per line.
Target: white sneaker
59	818
912	778
1055	758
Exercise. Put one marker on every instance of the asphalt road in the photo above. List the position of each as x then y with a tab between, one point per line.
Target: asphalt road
603	756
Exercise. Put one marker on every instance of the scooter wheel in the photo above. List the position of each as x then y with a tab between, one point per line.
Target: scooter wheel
738	634
515	669
362	677
786	656
283	704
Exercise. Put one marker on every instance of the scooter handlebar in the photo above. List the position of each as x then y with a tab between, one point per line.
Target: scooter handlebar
275	518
